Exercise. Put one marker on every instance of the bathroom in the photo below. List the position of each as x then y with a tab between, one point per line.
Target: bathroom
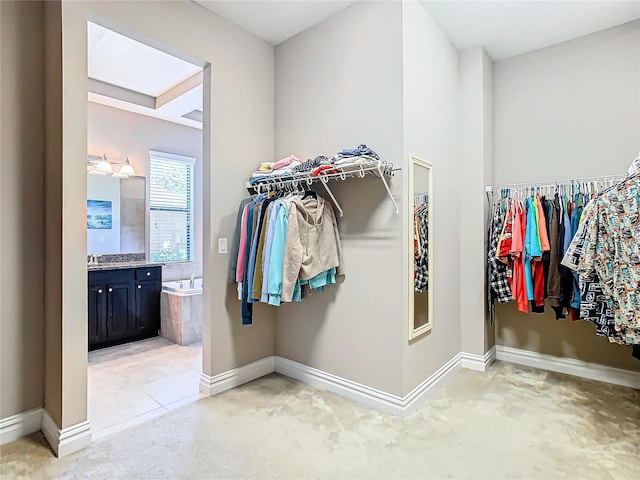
144	231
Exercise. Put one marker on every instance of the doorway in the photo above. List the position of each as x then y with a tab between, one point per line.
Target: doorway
144	230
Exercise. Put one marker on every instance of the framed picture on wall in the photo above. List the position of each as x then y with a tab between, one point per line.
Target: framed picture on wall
99	215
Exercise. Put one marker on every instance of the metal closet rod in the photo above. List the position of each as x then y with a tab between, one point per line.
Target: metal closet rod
379	169
553	183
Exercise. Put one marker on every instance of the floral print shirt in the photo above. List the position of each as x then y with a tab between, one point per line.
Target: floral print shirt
611	249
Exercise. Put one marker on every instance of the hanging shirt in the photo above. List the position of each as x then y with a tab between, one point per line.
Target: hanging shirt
543	236
246	307
235	244
276	260
532	245
568	234
498	280
575	221
242	248
553	285
612	250
504	242
312	242
259	215
264	294
537	264
262	235
518	282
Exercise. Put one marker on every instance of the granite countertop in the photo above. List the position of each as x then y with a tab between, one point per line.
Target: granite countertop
121	265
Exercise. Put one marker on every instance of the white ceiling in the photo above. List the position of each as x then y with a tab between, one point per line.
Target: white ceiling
504	28
508	28
122	62
275	21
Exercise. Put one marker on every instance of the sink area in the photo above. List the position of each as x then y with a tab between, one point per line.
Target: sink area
117	261
118	265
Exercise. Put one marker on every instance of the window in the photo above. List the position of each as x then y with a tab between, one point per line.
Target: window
171	207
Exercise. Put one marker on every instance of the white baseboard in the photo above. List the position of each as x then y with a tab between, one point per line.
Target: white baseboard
476	362
363	394
413	399
67	440
212	385
569	366
357	392
17	426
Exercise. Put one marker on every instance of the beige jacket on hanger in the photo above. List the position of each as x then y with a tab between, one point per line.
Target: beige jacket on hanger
312	245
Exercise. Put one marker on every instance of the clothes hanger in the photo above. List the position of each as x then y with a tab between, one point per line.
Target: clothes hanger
310	194
635	165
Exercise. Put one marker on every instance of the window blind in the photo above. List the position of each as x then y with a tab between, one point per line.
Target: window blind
171	209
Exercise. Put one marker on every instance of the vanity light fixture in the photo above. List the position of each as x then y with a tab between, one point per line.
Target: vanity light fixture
97	165
126	170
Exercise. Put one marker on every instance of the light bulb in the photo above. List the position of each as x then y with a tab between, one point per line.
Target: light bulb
103	168
127	169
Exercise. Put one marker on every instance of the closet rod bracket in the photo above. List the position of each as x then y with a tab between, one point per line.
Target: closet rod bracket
325	182
386	186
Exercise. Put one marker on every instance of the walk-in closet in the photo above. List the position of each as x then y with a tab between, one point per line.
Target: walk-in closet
346	239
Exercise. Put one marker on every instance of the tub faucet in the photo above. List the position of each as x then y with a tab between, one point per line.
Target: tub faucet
192	282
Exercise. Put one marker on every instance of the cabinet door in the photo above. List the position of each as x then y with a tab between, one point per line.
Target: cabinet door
148	307
120	318
97	314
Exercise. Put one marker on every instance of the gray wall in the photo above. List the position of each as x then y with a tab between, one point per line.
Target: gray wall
475	104
430	85
339	84
121	134
568	110
21	207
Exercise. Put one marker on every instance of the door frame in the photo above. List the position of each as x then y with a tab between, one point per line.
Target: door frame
65	421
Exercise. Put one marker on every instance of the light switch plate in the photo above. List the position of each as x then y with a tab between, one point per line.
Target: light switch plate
222	245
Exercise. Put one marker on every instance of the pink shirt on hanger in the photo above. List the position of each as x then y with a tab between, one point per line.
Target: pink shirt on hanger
242	248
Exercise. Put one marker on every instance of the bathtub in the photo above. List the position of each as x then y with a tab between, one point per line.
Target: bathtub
181	311
181	287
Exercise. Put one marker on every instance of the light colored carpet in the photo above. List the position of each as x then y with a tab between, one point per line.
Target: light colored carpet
511	422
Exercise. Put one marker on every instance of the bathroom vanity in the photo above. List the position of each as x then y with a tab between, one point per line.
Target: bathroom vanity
124	302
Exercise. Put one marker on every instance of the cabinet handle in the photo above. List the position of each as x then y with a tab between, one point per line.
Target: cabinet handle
139	286
111	289
148	274
100	291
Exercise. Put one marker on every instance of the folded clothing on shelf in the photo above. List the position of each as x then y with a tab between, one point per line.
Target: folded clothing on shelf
291	166
324	169
286	162
309	165
257	178
266	166
343	162
360	151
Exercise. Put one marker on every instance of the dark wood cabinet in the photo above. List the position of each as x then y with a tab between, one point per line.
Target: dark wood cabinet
97	313
147	306
120	315
124	305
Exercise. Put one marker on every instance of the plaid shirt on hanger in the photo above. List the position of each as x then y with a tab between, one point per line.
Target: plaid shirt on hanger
500	288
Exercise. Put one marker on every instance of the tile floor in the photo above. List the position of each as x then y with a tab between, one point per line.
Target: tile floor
132	383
